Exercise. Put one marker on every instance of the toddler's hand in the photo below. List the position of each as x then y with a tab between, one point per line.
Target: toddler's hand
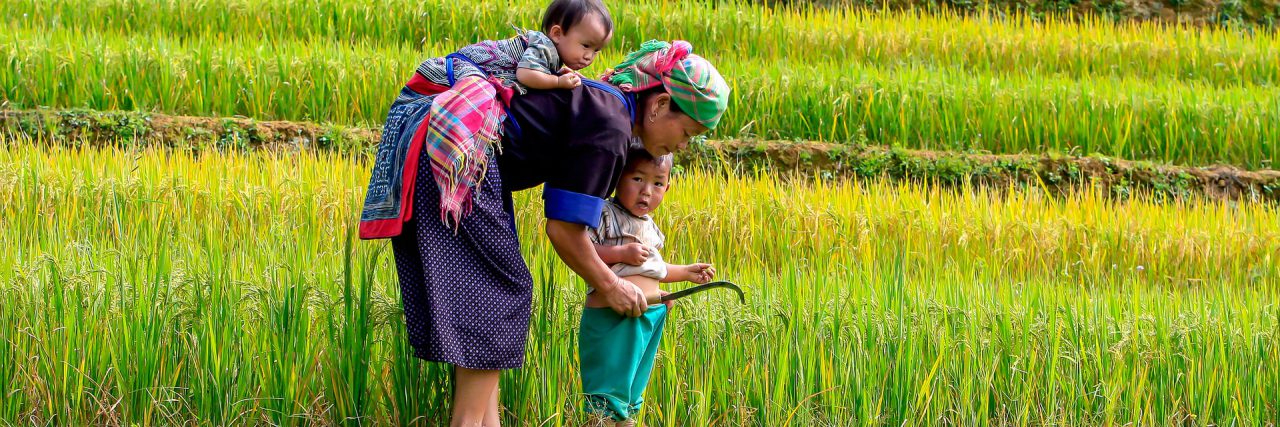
701	273
635	254
568	81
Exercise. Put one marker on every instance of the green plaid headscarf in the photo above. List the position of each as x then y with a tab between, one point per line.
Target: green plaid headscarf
691	80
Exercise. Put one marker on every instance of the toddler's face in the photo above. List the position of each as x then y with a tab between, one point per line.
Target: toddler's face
642	187
579	46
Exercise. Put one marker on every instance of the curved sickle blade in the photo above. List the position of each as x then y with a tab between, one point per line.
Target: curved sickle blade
700	288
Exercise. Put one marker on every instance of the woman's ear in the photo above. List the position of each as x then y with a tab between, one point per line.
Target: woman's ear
661	103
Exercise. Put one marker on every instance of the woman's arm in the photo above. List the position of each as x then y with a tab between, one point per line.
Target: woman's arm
576	250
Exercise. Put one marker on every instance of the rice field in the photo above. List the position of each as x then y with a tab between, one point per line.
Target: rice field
149	286
162	288
1182	95
1214	55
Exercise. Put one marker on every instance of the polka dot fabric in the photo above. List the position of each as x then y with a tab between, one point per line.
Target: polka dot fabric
466	296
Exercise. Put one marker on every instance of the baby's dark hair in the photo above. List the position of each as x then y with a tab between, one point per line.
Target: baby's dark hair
637	155
567	13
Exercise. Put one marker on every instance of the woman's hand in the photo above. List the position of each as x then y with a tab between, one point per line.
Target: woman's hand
634	253
700	273
625	298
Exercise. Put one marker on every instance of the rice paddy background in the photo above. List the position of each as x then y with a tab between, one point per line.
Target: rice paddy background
170	287
160	288
1136	91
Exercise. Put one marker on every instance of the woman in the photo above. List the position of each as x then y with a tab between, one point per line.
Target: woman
466	290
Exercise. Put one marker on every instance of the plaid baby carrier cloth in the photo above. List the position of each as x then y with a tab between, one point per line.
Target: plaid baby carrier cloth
457	129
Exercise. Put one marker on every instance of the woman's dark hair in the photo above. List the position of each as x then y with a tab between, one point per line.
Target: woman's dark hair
567	13
643	96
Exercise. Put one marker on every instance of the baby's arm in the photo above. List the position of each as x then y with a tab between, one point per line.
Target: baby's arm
535	79
697	273
537	66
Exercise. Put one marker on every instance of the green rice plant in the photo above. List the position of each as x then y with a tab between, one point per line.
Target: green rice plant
353	336
981	43
913	106
154	287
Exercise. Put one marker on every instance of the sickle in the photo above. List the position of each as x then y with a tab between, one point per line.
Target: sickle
656	299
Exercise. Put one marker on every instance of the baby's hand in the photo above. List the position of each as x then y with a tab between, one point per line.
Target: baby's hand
701	273
634	253
568	80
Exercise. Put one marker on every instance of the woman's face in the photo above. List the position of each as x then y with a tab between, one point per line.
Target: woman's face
664	131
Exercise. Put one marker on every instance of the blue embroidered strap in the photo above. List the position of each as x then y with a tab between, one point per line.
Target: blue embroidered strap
568	206
448	65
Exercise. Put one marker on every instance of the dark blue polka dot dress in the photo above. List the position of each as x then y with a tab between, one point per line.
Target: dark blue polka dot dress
466	295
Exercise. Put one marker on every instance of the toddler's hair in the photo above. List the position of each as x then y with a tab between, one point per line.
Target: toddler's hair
567	13
637	155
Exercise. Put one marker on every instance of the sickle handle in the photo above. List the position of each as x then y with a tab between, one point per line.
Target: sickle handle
653	299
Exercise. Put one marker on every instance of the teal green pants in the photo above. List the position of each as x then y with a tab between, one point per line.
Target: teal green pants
617	356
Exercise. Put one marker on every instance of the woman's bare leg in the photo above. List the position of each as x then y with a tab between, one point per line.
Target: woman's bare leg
474	391
492	418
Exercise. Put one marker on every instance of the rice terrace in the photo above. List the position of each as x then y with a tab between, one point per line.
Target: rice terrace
952	213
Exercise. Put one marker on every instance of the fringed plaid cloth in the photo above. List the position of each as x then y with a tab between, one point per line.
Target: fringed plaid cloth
456	126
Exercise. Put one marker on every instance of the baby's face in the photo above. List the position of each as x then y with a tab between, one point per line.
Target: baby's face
579	46
642	187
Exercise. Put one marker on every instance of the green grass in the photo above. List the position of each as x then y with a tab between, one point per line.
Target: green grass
158	288
912	105
979	43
